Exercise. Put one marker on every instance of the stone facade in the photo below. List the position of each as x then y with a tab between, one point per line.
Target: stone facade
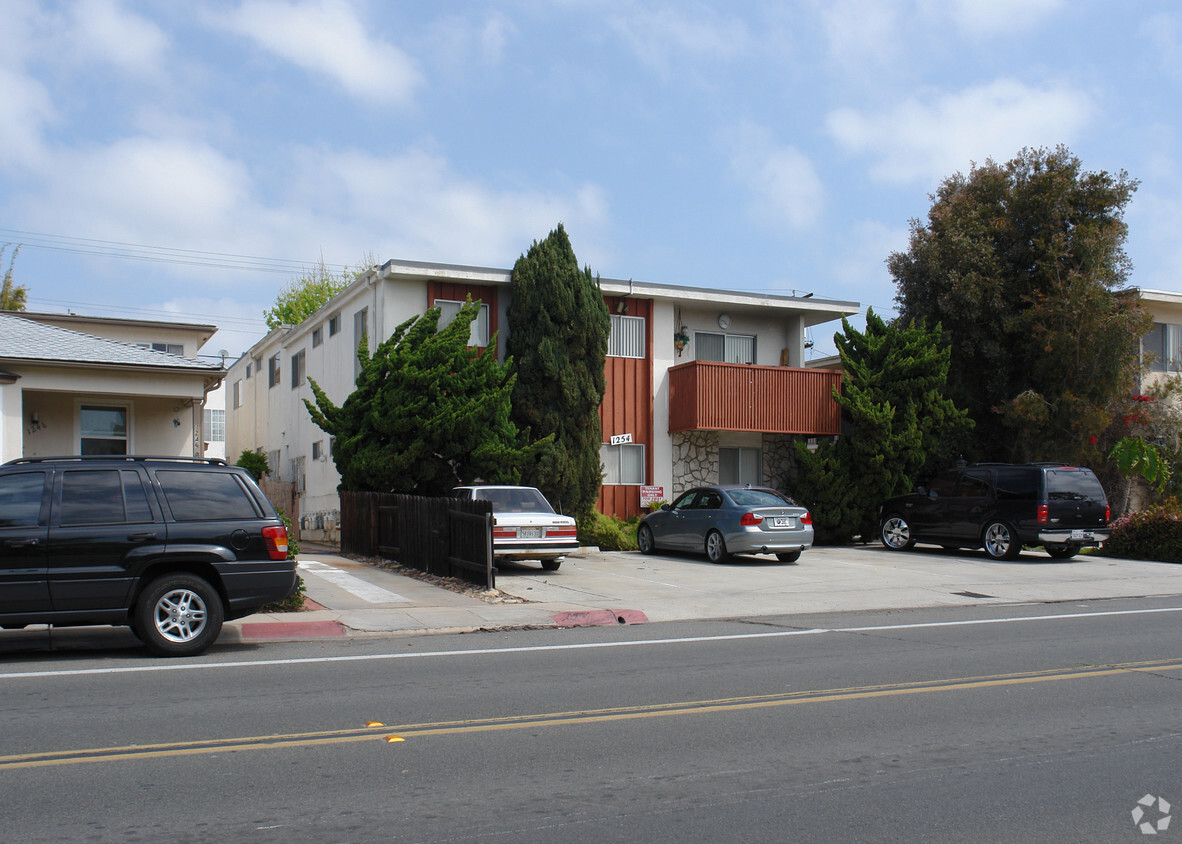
695	460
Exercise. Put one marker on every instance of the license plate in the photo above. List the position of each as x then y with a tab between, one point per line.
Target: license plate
530	533
783	521
1082	534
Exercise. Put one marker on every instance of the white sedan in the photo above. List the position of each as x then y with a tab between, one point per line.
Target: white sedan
525	526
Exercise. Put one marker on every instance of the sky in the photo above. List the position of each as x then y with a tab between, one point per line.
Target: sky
186	161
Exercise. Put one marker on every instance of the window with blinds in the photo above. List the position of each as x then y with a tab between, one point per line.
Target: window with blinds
622	464
627	337
726	348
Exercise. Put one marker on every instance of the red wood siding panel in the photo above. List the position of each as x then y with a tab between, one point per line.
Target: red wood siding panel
628	408
710	396
450	292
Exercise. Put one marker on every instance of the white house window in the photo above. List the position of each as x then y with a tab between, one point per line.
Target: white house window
103	430
334	325
317	336
215	425
297	369
1164	344
627	337
238	393
740	466
622	464
449	310
728	348
318	450
171	348
248	370
272	371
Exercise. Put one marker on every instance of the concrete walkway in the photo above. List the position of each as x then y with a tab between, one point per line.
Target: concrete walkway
355	599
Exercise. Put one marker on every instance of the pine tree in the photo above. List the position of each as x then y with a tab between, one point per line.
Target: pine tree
428	413
899	421
558	333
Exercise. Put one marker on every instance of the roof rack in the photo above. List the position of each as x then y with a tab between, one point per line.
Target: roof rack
137	458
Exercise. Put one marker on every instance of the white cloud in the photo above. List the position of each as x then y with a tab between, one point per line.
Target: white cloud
24	108
996	17
659	37
103	30
326	36
861	32
784	185
925	141
1164	32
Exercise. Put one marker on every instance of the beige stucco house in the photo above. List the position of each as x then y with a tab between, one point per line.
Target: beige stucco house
96	385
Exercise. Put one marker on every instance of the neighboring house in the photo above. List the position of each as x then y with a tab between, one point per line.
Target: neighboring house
722	406
1161	348
96	385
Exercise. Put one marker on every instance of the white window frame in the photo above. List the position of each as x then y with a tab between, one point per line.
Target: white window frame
449	309
79	435
298	366
215	424
627	338
741	451
611	460
274	371
732	347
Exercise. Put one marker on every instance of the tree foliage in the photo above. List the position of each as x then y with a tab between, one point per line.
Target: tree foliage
308	293
254	462
13	297
1022	264
558	333
428	413
898	421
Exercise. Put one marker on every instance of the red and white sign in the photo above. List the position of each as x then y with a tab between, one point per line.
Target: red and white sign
651	494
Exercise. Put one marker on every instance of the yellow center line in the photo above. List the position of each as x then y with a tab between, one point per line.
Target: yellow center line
577	717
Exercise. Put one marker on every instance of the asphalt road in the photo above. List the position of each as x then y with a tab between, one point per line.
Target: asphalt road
996	724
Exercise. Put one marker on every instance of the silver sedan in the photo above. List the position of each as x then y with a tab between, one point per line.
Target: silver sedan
724	520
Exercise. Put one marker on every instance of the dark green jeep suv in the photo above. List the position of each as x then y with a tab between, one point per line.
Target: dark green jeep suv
171	547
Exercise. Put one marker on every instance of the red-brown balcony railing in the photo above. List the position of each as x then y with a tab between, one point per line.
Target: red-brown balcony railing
708	396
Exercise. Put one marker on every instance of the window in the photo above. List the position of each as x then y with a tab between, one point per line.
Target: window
171	348
318	450
1164	344
248	370
360	322
206	496
622	464
103	497
103	430
317	337
272	371
449	310
728	348
238	393
297	369
215	425
334	325
20	499
740	465
973	485
627	337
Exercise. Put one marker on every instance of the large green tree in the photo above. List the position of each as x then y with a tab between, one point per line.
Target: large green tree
428	413
13	297
308	293
1022	264
558	333
897	419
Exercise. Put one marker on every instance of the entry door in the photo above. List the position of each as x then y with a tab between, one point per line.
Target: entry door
24	511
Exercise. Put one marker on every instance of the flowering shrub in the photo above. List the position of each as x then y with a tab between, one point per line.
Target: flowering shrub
1154	533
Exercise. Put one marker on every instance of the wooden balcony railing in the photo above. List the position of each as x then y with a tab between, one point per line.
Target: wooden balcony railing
707	396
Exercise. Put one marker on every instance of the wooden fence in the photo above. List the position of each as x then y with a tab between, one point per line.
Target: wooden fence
441	536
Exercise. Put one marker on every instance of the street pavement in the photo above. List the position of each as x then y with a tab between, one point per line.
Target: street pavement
350	598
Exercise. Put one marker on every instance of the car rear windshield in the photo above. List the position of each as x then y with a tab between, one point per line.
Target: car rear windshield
758	498
515	500
1073	485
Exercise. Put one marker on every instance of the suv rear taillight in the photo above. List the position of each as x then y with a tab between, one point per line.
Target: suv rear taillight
276	541
807	518
1043	515
750	520
1107	514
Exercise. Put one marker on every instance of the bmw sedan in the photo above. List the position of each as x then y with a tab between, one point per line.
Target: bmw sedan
525	526
724	520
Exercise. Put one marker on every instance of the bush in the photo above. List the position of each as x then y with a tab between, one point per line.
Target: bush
1154	533
608	532
295	601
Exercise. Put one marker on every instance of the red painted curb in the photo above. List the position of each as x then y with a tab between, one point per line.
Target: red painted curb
292	630
598	618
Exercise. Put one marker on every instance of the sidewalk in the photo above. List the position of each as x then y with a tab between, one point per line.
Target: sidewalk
353	599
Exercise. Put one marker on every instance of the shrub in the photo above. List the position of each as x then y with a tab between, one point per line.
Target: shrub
608	532
295	601
1154	533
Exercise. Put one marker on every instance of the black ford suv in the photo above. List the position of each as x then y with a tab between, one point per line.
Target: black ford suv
169	546
1001	507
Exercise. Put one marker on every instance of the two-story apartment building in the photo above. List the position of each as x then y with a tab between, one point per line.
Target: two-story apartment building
702	385
1161	348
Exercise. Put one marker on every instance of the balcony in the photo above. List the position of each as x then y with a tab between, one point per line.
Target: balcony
707	396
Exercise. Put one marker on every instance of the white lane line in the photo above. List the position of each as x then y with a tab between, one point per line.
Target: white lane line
780	634
353	585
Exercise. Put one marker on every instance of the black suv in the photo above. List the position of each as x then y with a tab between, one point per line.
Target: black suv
168	546
1001	507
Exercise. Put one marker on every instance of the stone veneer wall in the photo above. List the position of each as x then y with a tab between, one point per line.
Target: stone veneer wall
695	460
779	461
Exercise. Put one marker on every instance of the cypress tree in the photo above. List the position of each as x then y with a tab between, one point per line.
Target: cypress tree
558	333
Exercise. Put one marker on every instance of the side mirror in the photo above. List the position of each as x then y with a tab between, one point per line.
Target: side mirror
666	507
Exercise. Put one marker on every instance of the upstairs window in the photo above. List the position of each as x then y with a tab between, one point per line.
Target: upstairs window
449	310
1164	344
627	337
622	464
317	337
215	425
726	348
297	369
334	325
273	370
171	348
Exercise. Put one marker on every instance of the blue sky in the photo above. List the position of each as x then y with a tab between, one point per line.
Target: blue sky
150	149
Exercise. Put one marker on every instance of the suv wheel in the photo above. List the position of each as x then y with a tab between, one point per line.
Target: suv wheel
896	533
1001	542
178	615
